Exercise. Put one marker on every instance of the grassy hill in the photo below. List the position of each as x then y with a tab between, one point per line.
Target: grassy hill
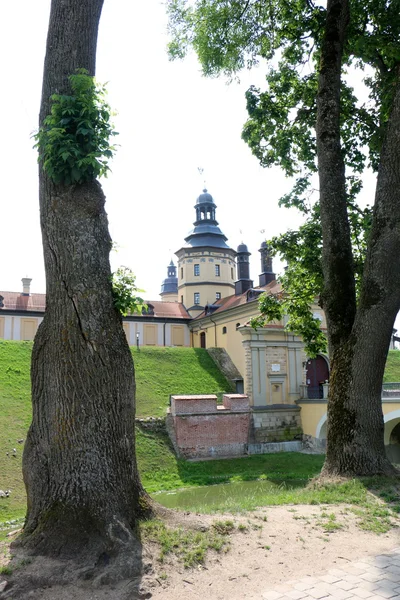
392	371
159	373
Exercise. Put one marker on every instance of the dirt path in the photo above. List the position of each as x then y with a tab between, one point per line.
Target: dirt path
272	546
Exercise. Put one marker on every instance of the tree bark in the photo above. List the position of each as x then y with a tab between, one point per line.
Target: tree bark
356	427
358	337
79	466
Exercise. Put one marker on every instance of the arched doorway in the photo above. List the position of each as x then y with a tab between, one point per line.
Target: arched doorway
203	339
317	372
393	448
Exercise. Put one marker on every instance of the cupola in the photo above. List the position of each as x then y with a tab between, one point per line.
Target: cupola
169	286
206	231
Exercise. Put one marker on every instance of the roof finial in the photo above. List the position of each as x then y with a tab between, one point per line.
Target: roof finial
201	171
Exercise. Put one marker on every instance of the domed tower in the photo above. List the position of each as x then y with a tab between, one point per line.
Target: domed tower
243	270
169	287
206	264
267	274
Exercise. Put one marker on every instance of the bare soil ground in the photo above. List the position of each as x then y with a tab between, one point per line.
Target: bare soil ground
271	546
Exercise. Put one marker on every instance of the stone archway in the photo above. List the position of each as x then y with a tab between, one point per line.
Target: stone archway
392	436
320	432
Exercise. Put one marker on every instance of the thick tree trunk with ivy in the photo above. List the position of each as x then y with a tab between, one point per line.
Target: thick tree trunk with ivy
79	466
359	337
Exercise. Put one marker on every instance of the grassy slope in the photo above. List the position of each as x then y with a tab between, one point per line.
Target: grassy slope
164	371
177	370
159	373
392	371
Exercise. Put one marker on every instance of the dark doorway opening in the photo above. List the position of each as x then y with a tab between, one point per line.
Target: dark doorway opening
317	373
202	339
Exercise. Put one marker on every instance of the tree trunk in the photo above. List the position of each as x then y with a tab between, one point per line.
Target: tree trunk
79	466
358	339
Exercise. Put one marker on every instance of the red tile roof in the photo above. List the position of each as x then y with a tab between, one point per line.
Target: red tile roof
233	301
37	303
167	310
18	301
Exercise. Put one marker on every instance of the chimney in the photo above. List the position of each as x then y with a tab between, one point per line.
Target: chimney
267	274
243	282
26	286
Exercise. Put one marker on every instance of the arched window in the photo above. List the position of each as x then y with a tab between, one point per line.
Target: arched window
237	325
224	330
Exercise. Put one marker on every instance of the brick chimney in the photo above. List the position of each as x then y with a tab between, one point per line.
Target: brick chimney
26	286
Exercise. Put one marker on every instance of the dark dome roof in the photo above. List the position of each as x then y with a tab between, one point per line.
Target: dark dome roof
205	198
264	245
242	248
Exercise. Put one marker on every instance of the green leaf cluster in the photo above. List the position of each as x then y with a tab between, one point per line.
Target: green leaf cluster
124	291
74	141
286	37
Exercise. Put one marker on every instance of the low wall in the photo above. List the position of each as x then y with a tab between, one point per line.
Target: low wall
296	446
204	430
274	424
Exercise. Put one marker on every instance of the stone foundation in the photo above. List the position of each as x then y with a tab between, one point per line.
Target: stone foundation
274	424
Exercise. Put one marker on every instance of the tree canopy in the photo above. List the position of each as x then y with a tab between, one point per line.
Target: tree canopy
310	122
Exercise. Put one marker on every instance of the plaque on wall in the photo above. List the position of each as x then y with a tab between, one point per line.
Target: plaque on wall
275	368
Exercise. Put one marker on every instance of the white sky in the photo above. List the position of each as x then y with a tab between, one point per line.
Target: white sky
171	120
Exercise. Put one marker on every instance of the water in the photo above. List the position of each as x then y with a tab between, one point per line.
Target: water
224	495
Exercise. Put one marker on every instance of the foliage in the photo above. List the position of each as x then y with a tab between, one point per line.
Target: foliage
286	37
74	140
124	292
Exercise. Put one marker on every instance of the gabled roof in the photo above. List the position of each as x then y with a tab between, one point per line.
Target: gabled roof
240	300
165	310
23	302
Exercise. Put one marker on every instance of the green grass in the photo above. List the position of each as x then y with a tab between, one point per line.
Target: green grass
178	370
190	546
164	371
160	470
159	373
392	370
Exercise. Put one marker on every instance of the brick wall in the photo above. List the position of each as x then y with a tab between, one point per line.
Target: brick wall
204	430
184	405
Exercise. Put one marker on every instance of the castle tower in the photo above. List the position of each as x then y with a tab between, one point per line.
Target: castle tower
267	274
243	270
169	286
206	264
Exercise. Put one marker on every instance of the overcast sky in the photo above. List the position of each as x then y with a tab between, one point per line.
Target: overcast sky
171	121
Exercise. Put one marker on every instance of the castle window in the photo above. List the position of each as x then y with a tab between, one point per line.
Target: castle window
237	325
217	270
197	270
197	297
231	273
218	296
224	330
181	299
181	272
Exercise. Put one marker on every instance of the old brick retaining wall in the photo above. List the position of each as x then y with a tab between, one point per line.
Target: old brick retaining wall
204	430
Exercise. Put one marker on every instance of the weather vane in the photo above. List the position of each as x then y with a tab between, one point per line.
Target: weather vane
201	171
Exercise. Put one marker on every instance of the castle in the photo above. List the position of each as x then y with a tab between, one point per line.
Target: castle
207	301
